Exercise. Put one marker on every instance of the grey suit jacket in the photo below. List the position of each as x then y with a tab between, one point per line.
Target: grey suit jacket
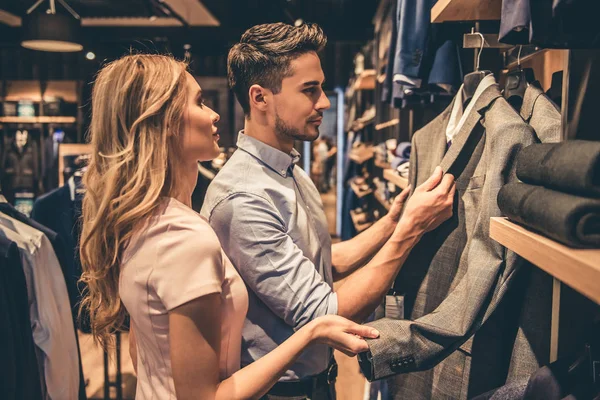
463	291
542	114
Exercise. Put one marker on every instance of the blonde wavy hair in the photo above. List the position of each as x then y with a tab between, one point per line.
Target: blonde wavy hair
138	104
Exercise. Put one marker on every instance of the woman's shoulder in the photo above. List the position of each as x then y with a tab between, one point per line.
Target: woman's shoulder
181	223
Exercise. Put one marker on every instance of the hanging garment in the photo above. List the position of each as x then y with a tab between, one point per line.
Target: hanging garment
58	246
51	320
59	212
459	286
542	114
570	167
20	378
20	168
50	170
549	23
569	219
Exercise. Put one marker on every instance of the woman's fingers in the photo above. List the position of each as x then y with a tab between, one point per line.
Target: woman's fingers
362	330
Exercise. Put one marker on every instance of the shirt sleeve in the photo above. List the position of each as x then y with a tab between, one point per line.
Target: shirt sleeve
189	263
256	241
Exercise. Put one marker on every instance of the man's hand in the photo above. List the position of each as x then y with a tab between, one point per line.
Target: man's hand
430	204
396	208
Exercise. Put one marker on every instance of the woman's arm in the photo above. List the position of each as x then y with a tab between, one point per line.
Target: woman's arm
195	337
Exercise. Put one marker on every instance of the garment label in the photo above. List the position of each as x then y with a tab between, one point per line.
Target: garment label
394	307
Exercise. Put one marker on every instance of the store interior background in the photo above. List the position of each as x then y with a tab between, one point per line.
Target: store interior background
55	88
203	31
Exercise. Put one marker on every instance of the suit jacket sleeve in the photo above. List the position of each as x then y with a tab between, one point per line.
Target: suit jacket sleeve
416	345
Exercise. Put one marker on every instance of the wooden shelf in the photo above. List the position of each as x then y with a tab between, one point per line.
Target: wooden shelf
366	80
387	124
382	200
579	269
360	193
359	226
38	120
382	165
360	156
466	10
391	176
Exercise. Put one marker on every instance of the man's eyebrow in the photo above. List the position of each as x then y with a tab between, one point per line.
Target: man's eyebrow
313	83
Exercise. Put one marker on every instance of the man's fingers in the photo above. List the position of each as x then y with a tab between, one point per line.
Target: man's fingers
433	180
403	195
447	183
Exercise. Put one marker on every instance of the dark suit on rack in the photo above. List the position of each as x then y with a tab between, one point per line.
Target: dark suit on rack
57	211
463	291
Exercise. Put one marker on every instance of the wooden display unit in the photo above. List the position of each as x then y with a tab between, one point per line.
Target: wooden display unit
579	269
361	156
358	192
391	176
366	80
70	150
381	164
466	10
359	226
38	120
382	200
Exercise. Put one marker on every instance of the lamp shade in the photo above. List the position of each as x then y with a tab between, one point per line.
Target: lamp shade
51	32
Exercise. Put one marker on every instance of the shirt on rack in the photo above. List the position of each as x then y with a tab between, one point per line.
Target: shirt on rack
50	311
20	377
279	243
459	114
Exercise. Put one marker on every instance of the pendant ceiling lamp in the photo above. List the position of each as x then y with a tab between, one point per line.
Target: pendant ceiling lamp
49	31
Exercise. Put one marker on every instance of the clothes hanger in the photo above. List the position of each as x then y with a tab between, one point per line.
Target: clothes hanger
471	81
517	82
555	91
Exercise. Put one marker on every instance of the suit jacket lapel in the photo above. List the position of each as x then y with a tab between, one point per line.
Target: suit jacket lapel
431	141
458	144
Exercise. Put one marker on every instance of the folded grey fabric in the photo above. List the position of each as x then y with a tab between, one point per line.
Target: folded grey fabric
569	219
571	167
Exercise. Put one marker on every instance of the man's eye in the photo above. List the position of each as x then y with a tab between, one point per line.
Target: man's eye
310	90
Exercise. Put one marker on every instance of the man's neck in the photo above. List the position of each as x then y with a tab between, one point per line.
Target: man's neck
268	136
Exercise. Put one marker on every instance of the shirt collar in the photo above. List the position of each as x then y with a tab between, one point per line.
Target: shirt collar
277	160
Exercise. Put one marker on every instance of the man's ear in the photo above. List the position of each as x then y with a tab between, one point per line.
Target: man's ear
259	97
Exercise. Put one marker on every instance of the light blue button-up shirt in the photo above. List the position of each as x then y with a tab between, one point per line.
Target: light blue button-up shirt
270	220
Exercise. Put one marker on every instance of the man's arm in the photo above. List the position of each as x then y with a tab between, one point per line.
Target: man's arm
351	254
430	205
274	268
255	238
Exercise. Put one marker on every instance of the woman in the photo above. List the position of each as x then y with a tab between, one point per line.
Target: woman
145	252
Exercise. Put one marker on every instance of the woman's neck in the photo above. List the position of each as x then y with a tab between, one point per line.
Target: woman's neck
187	179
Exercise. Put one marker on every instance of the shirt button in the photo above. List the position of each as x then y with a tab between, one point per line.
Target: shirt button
283	172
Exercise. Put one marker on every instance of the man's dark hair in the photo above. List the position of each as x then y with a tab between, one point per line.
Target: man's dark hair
264	53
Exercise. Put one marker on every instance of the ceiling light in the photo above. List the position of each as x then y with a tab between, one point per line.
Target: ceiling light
49	31
90	55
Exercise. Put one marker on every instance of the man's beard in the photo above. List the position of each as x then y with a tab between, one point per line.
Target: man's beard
282	129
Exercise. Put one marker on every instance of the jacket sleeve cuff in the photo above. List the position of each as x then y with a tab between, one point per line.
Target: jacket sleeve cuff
388	355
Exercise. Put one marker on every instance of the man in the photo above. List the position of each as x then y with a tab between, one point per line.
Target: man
270	219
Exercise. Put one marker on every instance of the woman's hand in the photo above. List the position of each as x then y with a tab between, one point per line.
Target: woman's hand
341	334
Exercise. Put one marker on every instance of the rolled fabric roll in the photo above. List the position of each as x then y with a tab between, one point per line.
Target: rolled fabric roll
571	167
569	219
403	150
